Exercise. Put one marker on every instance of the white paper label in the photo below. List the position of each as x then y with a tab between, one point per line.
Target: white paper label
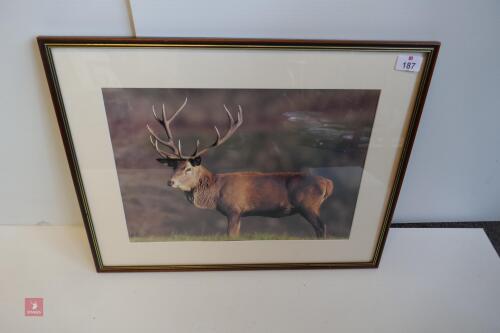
408	62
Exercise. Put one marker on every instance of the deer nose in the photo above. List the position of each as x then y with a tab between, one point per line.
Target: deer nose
170	183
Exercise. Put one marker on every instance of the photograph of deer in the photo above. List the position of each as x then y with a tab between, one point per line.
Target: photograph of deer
239	164
239	194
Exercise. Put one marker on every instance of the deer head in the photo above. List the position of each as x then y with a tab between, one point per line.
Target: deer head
187	168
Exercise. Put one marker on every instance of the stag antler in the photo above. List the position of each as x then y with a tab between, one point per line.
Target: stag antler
155	139
176	153
233	126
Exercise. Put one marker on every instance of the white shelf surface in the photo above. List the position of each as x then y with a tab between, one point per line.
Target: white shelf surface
429	280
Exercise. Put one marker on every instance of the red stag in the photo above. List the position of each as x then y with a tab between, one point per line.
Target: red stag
240	194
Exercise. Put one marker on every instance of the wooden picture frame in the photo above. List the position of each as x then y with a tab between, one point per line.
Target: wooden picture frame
318	116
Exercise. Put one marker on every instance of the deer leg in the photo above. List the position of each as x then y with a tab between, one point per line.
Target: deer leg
233	225
317	224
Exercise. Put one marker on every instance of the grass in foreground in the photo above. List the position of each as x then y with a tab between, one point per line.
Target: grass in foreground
220	237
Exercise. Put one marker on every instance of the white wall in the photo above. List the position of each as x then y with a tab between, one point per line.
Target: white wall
452	174
35	183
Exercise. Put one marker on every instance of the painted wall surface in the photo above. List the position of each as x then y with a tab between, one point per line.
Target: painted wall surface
35	182
453	172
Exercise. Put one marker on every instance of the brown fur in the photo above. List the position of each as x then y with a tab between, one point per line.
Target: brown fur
240	194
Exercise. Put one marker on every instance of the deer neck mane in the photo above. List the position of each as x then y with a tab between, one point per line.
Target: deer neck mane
205	193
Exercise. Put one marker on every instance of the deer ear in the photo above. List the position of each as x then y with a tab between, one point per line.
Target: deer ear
167	161
195	161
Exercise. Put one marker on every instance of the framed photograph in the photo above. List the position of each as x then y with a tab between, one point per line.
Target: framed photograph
203	154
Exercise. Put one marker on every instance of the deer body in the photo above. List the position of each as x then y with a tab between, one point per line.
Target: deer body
240	194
